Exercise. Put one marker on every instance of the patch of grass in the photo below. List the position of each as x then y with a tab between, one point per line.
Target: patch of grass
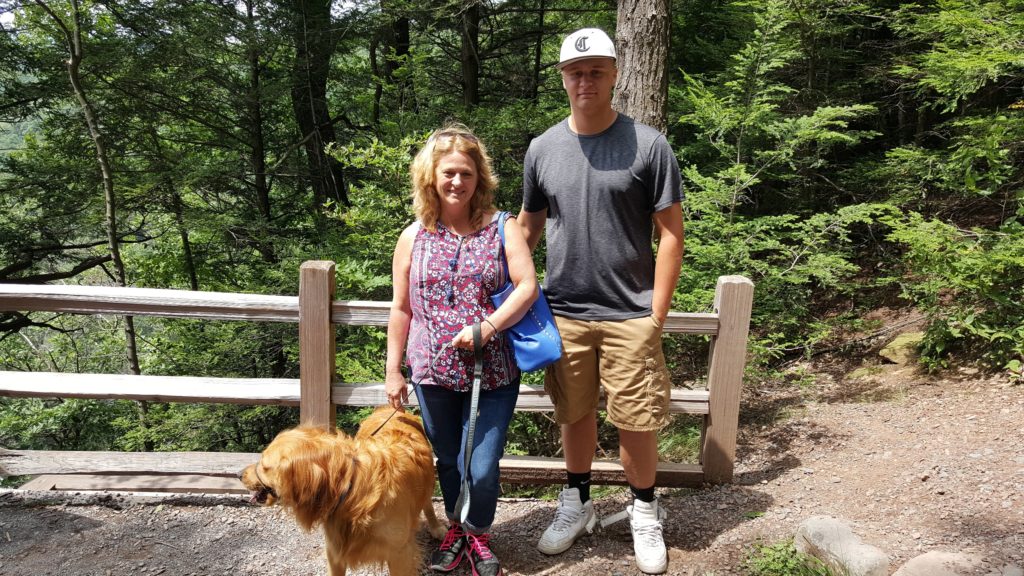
14	481
782	559
680	440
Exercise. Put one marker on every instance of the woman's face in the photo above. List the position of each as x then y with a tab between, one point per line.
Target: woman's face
456	179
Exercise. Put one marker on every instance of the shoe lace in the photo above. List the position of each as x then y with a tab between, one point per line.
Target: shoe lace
565	517
452	536
649	533
480	545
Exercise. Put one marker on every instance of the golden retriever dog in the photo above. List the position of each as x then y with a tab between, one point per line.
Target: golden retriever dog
366	492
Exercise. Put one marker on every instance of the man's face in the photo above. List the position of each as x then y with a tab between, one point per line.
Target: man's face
589	83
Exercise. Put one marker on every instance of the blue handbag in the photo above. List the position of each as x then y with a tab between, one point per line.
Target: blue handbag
535	339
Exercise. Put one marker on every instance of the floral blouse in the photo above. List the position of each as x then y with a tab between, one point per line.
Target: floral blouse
450	283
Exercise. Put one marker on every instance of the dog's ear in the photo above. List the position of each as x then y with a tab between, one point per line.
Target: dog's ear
309	477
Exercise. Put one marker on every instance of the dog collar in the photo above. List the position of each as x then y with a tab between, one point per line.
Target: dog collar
266	489
344	493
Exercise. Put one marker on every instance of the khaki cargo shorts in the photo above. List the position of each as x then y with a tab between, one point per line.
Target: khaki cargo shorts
624	357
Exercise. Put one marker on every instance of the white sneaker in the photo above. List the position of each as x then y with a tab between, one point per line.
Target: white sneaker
572	519
648	544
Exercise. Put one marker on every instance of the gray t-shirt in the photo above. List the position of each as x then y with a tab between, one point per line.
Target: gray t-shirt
600	192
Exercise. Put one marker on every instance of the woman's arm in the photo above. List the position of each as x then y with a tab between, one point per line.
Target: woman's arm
524	278
399	320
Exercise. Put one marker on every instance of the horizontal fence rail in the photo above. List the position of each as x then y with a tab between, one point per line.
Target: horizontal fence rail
318	313
273	391
234	306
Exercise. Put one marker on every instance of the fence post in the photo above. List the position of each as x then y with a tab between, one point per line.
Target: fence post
734	297
316	343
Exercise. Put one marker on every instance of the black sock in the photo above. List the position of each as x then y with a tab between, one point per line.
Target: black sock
580	481
642	494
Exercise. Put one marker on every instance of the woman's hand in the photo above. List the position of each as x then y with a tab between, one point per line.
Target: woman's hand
396	389
464	339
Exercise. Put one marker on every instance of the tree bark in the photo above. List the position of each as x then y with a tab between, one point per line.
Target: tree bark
314	45
538	51
641	45
471	54
254	107
394	41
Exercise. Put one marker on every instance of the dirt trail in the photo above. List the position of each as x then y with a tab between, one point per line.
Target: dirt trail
914	463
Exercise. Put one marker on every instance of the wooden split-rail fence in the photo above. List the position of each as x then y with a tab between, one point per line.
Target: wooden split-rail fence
317	394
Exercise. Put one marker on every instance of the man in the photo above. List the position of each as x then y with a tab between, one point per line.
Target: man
600	184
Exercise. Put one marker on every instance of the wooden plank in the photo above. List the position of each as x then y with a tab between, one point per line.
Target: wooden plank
35	462
41	483
539	470
734	298
514	469
233	306
316	343
178	483
373	313
531	398
360	313
691	323
273	391
148	302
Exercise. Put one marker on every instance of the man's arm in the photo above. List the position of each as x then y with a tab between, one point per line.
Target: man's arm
532	224
668	223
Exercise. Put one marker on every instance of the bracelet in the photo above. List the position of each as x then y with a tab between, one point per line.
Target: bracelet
492	325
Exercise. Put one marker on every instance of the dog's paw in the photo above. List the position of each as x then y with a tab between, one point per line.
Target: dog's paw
437	529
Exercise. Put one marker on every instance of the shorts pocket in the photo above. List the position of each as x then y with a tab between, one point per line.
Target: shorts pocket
657	392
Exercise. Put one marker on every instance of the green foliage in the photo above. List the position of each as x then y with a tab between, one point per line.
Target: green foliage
782	559
752	147
974	43
533	433
969	282
72	424
983	159
834	152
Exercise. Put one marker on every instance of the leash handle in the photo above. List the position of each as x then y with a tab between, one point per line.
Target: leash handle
462	504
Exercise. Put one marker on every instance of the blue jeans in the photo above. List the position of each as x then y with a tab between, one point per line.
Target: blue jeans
446	421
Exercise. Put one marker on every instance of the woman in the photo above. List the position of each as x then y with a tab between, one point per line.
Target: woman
445	267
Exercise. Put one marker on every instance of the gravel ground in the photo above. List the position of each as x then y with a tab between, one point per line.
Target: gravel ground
913	463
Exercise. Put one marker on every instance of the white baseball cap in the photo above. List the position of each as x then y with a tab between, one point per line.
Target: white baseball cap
585	43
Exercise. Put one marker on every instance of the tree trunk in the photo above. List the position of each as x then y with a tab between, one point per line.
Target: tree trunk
314	44
186	243
177	208
641	44
402	44
254	107
73	37
393	40
471	54
538	51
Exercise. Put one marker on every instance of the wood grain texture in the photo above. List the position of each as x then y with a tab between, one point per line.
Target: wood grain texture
734	298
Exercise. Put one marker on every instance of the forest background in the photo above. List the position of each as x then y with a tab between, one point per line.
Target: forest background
846	155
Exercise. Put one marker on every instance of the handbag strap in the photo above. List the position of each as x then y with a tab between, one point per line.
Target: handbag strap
462	504
502	217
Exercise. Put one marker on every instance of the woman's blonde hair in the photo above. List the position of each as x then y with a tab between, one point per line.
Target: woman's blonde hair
422	171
